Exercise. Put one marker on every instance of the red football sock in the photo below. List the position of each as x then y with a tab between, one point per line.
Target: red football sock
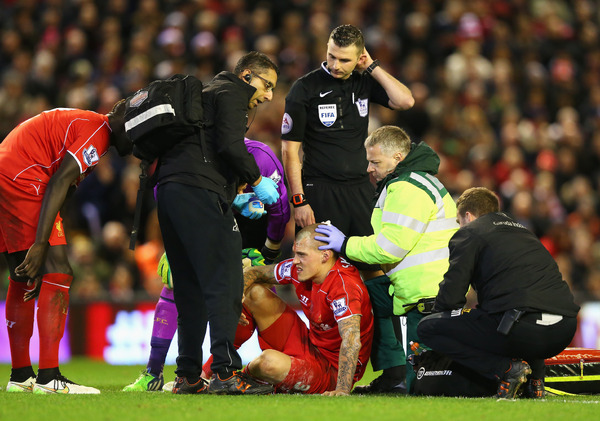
53	305
19	321
242	334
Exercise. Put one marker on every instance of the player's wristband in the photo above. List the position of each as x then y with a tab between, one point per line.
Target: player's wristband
298	200
373	66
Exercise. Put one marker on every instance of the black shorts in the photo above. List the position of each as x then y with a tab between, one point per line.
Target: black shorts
348	207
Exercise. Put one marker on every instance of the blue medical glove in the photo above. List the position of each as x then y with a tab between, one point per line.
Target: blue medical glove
266	191
249	206
335	238
254	209
241	201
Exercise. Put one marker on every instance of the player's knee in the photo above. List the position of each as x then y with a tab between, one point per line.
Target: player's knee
255	296
267	364
61	268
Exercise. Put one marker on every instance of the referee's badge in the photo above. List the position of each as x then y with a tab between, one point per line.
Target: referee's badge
286	124
363	107
327	114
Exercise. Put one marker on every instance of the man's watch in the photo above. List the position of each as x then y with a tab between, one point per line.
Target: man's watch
373	66
298	200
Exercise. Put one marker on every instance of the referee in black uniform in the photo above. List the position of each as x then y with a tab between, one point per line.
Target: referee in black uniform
525	309
198	180
327	113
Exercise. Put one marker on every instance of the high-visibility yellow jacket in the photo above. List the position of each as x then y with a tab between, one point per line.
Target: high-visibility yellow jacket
413	219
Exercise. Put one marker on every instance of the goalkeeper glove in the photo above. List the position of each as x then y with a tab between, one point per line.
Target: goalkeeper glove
252	257
164	271
249	206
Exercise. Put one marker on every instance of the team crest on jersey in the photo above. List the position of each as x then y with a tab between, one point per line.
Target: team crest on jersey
363	107
339	307
59	229
138	99
327	114
285	270
90	156
286	124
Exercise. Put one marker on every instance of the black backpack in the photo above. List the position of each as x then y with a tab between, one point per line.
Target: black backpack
157	117
163	113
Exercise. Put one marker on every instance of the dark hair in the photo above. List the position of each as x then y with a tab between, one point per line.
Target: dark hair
119	108
257	62
477	201
118	138
347	35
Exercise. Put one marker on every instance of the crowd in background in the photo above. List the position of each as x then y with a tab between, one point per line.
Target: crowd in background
507	92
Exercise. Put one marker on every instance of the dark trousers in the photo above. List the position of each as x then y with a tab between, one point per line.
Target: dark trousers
348	206
388	350
203	246
471	339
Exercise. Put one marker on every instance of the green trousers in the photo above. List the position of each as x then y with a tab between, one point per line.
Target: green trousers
388	351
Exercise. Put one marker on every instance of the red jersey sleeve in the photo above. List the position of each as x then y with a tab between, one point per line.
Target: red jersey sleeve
345	295
285	272
90	142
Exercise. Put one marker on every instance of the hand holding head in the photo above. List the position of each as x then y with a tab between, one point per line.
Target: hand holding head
334	237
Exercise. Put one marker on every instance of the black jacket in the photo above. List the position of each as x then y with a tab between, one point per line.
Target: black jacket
508	267
220	162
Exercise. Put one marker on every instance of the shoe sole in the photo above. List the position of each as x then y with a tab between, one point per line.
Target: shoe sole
19	389
43	391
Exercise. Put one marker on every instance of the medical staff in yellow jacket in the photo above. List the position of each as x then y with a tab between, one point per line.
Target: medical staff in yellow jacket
413	219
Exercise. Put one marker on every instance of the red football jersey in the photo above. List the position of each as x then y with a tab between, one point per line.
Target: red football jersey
34	150
341	295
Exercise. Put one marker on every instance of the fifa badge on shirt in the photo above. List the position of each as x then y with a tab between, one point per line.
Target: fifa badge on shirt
327	114
363	107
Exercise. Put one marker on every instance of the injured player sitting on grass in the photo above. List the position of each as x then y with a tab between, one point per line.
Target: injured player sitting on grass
331	355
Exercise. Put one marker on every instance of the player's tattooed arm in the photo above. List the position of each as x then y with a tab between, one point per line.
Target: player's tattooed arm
259	275
350	332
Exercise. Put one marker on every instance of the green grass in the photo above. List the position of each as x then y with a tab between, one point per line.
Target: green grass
113	404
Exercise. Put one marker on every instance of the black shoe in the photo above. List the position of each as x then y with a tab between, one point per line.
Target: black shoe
382	385
238	384
182	387
534	389
512	380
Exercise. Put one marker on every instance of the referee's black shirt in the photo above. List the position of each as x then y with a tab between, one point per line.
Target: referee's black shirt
331	117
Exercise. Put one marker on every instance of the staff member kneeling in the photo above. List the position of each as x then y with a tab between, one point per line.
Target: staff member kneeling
525	310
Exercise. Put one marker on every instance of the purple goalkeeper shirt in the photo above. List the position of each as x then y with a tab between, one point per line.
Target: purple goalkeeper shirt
278	213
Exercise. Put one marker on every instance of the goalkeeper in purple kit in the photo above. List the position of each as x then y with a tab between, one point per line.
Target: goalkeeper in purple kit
262	228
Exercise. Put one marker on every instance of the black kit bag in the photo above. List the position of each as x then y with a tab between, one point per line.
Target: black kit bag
438	375
157	117
163	113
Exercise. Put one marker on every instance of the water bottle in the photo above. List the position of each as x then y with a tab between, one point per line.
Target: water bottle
416	348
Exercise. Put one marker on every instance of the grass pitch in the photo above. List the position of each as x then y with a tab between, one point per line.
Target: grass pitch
113	404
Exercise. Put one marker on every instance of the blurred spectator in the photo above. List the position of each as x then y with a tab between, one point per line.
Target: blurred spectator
507	93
